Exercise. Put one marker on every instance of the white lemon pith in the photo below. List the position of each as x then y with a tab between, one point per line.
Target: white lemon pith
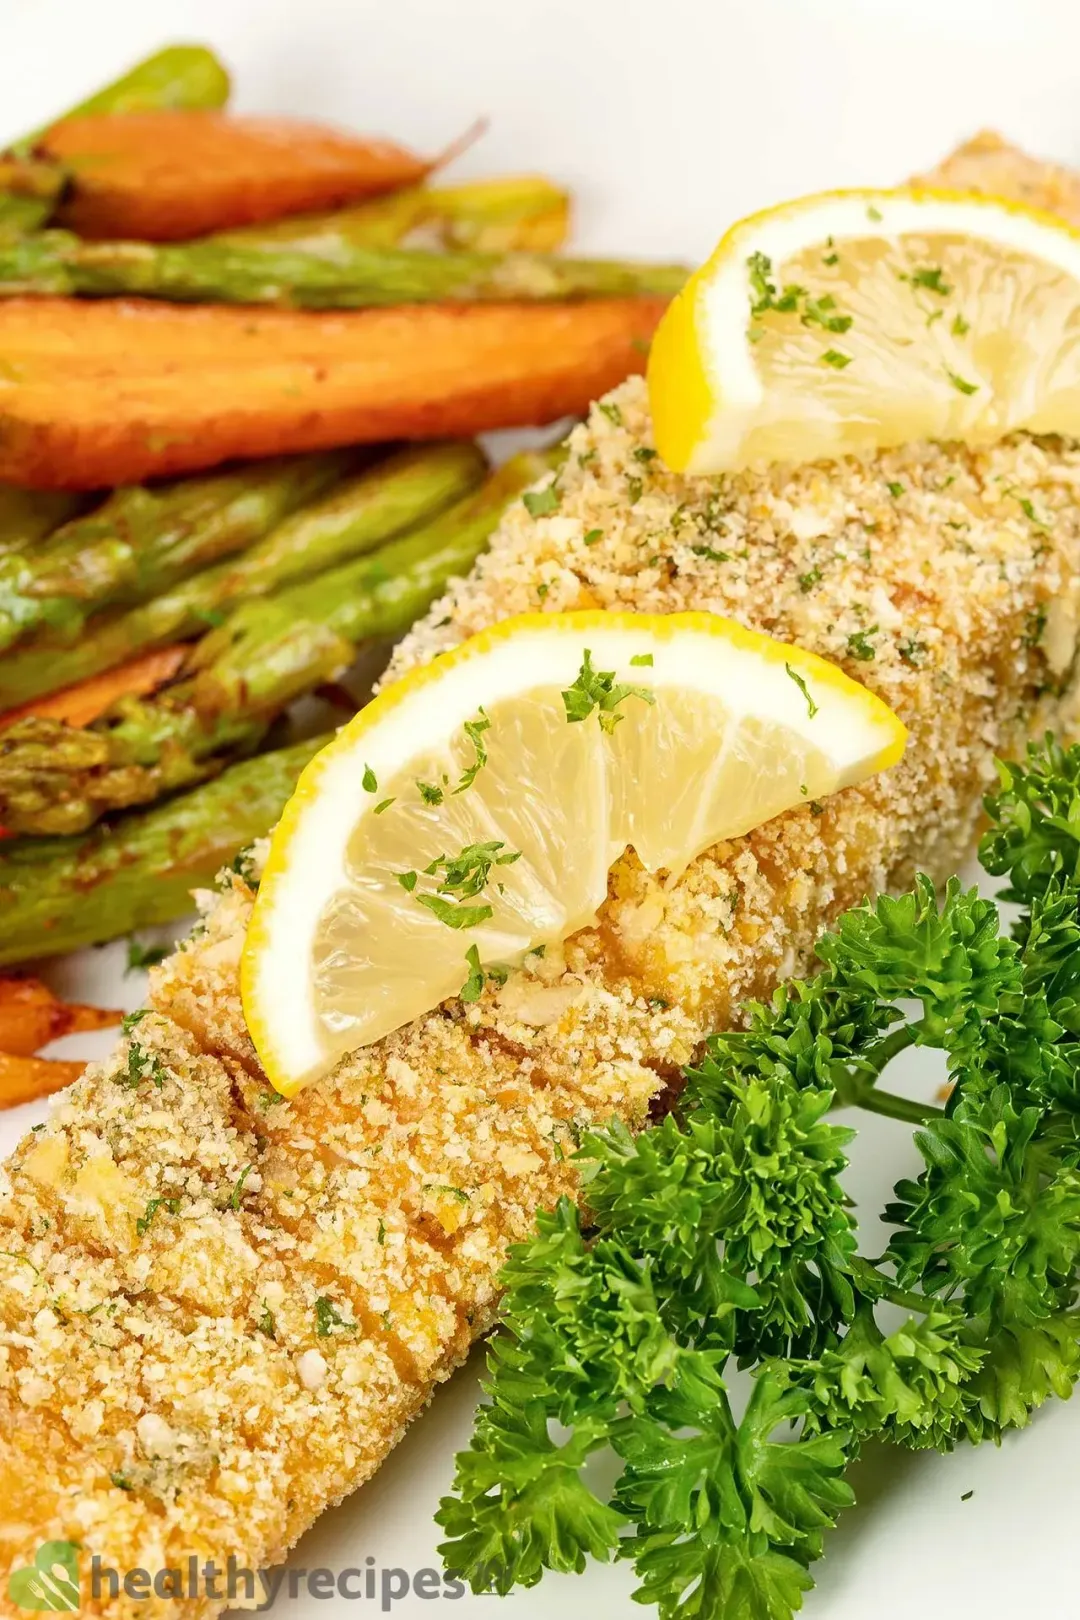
860	320
464	818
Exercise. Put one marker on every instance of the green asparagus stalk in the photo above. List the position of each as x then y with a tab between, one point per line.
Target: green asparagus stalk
54	779
144	539
487	216
362	512
29	191
57	895
291	276
178	76
28	515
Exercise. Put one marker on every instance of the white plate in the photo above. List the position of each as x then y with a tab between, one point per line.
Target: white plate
669	119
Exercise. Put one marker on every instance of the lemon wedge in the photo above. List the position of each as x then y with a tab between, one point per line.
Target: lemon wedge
855	320
472	812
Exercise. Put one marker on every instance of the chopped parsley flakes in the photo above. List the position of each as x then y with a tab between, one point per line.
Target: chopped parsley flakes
142	1225
140	957
541	502
860	646
328	1317
961	384
473	988
811	707
474	731
931	277
599	690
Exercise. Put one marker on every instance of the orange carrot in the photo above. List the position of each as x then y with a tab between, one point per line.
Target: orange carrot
25	1079
81	704
31	1016
167	175
190	387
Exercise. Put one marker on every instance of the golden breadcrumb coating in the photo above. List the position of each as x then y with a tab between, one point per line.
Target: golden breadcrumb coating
989	164
220	1309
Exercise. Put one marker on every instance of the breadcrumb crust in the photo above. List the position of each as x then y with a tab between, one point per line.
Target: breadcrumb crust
218	1309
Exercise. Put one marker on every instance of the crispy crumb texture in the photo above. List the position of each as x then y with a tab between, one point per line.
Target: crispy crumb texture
219	1309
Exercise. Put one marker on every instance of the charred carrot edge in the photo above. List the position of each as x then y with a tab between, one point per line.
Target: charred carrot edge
192	387
80	705
31	1016
168	175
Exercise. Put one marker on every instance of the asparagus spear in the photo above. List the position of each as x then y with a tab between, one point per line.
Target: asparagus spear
29	191
143	539
297	276
362	512
28	515
178	76
57	895
54	779
488	216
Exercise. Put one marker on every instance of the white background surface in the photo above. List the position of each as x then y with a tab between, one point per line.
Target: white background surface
669	119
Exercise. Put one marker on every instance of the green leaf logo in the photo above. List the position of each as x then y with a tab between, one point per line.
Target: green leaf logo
52	1581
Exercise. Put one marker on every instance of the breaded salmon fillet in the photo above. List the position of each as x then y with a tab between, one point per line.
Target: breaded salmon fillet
218	1309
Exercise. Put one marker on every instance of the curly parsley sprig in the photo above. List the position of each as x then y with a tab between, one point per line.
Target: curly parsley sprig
724	1236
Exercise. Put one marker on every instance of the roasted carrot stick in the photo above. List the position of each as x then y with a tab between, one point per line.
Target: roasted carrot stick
31	1016
112	392
163	176
81	704
25	1079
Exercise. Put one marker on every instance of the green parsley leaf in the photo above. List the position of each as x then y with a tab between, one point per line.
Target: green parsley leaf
960	327
961	384
895	489
328	1317
642	660
140	957
595	689
931	277
145	1220
407	880
384	805
711	553
592	537
474	731
467	873
860	646
454	916
473	988
812	708
237	1195
430	793
368	781
611	411
541	502
141	1065
837	359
